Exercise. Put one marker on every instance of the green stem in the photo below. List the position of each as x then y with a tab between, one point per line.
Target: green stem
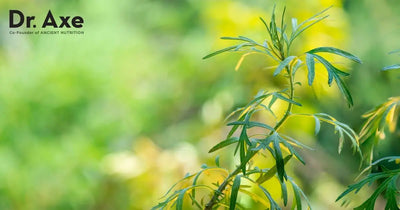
251	154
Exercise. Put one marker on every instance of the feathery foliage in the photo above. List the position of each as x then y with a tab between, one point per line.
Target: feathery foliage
270	139
384	171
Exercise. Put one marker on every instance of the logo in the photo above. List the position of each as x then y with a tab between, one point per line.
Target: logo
49	25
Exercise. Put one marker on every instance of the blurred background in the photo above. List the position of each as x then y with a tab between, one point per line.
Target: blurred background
112	118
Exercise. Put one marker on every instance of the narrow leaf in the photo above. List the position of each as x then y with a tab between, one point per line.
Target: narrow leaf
271	172
317	125
234	193
262	125
297	197
224	143
329	67
311	68
219	51
244	136
344	90
179	201
280	165
294	24
265	24
273	204
280	96
283	64
242	154
333	74
337	52
301	30
284	193
392	67
235	127
235	47
217	161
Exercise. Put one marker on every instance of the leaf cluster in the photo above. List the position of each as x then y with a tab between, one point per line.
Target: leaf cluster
382	116
394	66
251	137
387	178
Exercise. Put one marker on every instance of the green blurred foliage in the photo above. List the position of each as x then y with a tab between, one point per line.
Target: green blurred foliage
112	118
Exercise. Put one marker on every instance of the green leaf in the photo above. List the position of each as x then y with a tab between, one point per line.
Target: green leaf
283	34
342	128
226	49
194	201
280	164
280	96
388	158
392	67
273	204
299	63
283	26
261	125
343	89
195	182
242	153
370	203
394	51
297	190
234	193
268	109
391	192
224	143
217	161
329	67
297	29
238	47
234	112
301	30
273	30
235	127
384	115
341	139
283	64
292	150
242	38
284	193
294	24
297	197
312	18
367	180
220	51
180	181
244	116
244	136
272	101
263	144
237	123
236	148
295	142
333	74
317	125
258	99
265	24
337	52
271	172
179	201
311	68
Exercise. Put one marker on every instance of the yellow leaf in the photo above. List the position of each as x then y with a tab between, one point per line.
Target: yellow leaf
239	63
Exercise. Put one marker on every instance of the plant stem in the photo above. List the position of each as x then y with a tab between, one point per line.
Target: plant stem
251	154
